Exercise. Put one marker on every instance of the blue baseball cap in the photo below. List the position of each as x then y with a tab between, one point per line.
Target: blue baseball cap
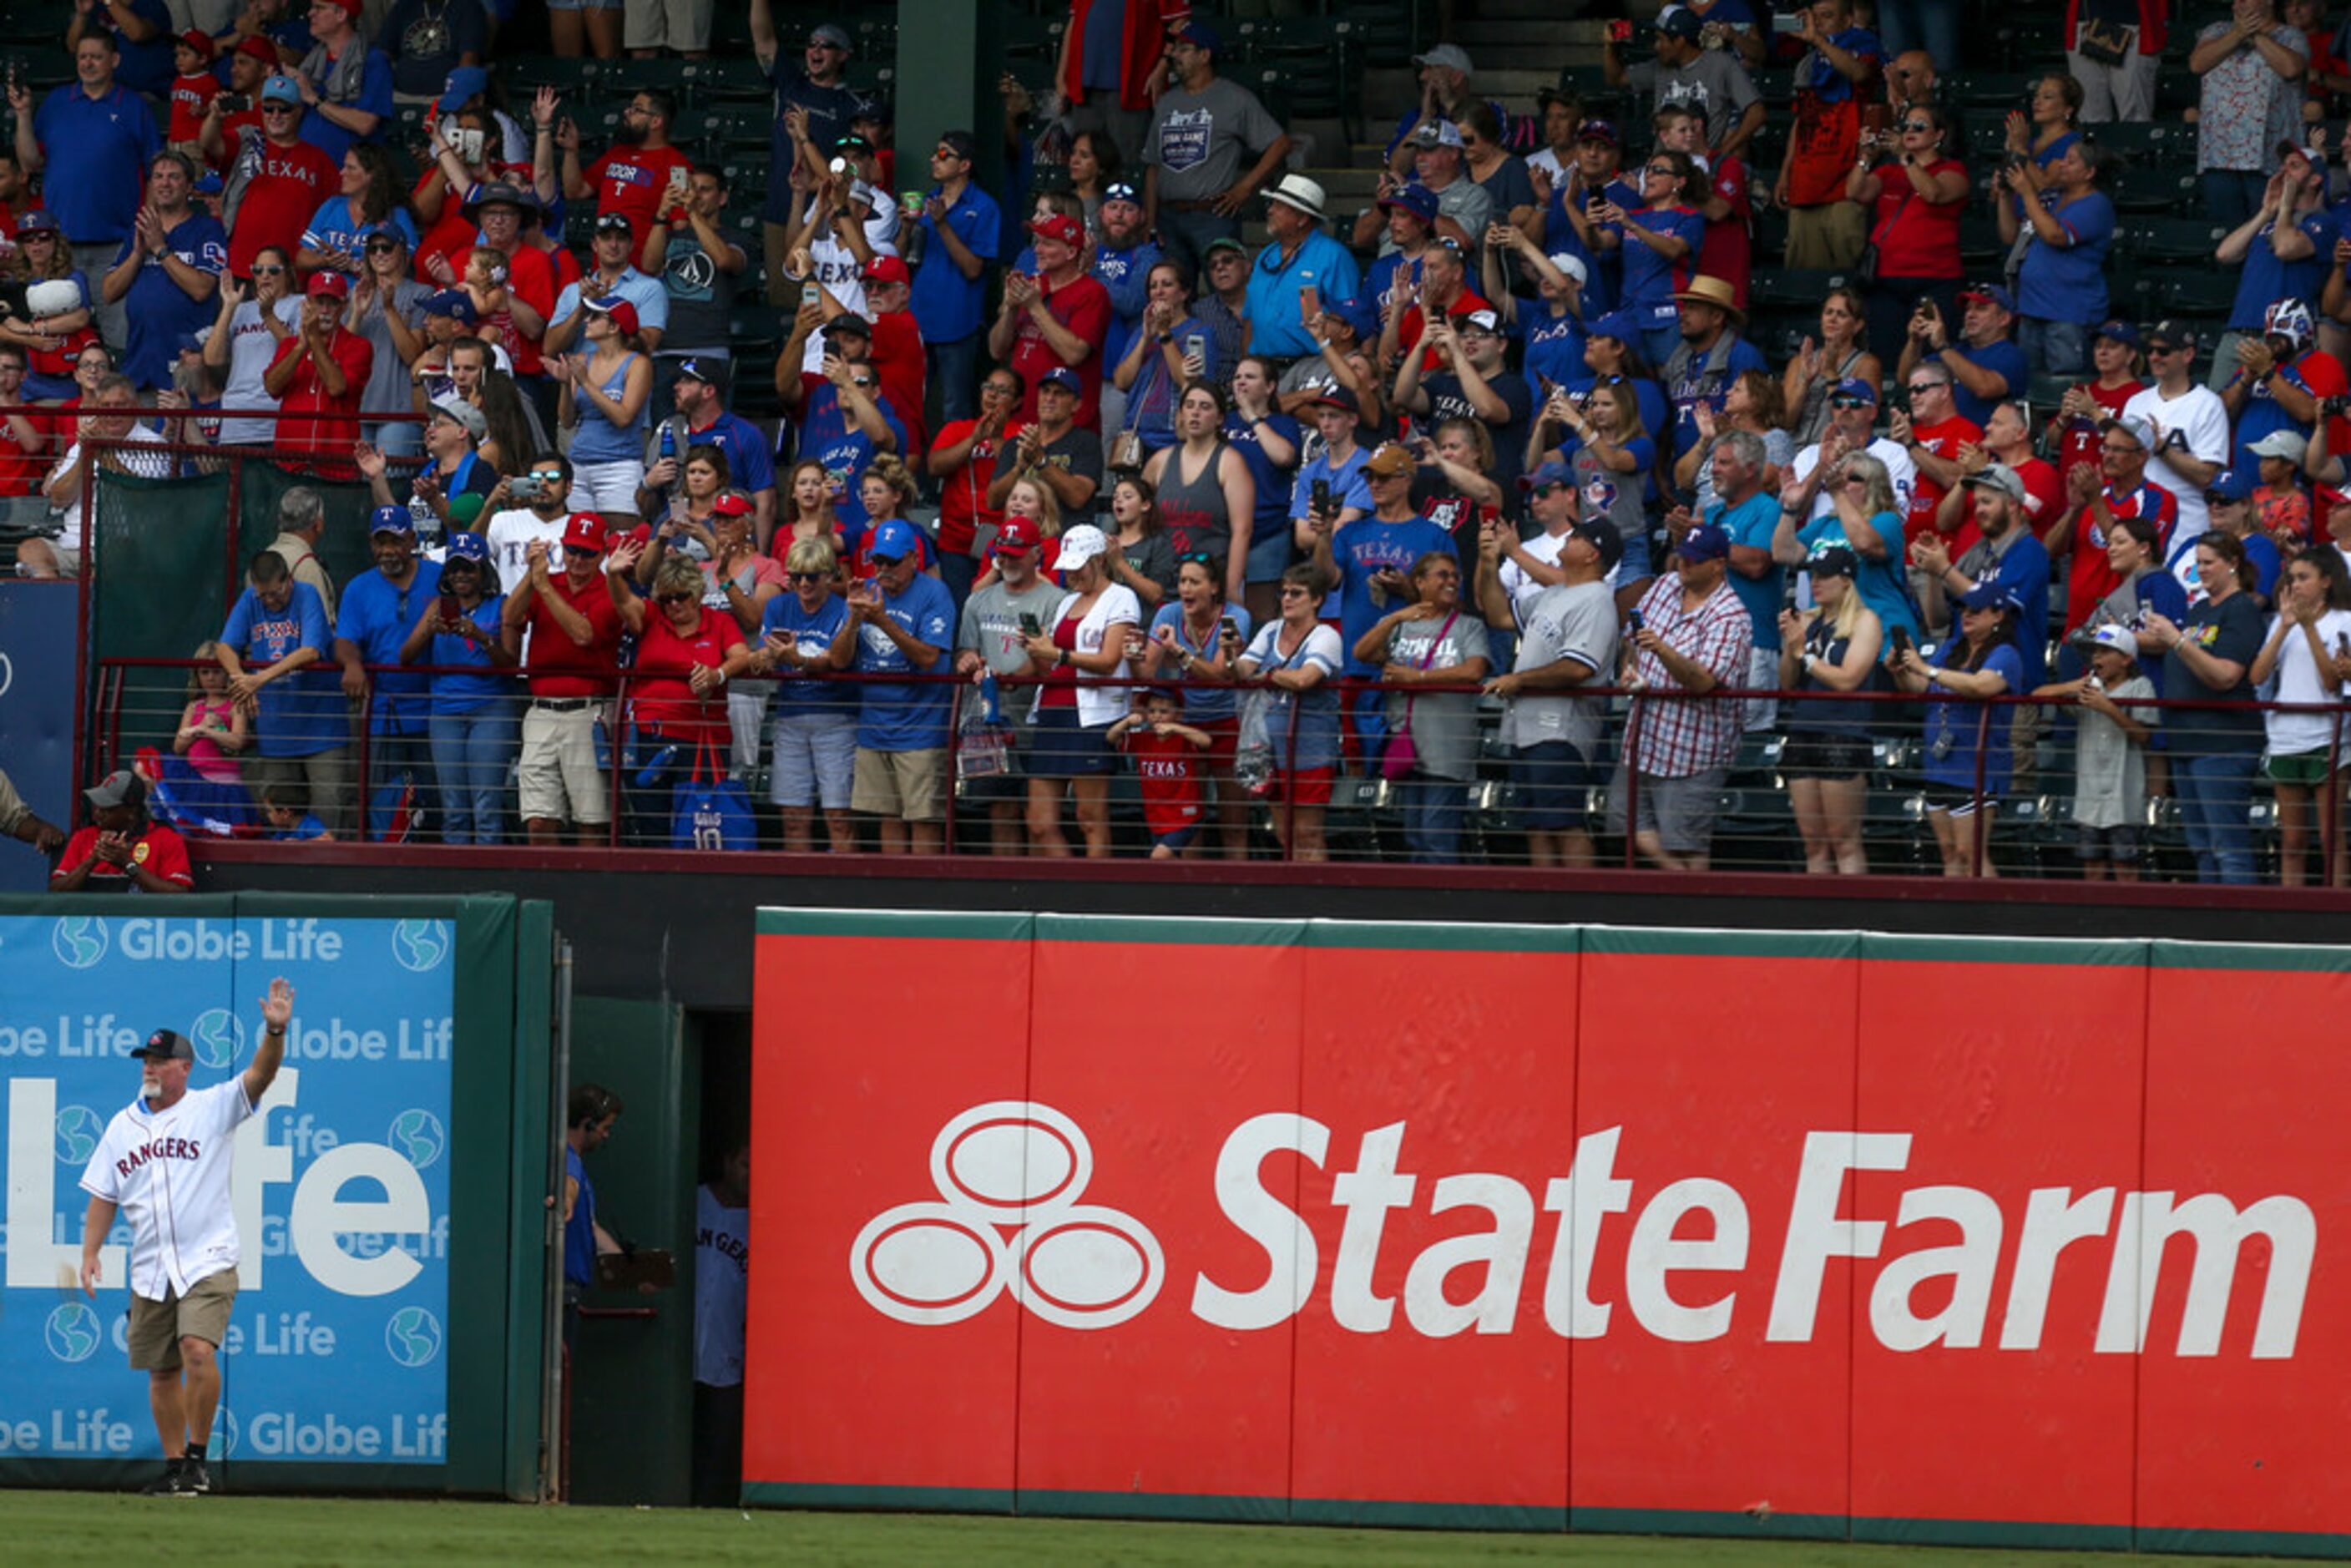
1991	294
454	302
1415	198
1625	326
469	546
1854	386
1992	596
189	342
1200	35
2231	484
2123	332
280	89
392	520
894	541
462	85
1539	479
1064	376
1705	541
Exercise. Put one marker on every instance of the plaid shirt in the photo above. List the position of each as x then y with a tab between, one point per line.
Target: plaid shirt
1680	738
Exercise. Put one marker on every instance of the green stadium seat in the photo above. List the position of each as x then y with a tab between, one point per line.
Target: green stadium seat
1792	288
726	80
2156	190
2184	240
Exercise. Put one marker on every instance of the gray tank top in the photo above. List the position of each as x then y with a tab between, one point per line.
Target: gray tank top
1194	510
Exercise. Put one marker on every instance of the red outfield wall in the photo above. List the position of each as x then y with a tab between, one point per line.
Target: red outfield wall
1559	1227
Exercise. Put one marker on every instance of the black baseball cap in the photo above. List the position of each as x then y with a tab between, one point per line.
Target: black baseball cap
167	1045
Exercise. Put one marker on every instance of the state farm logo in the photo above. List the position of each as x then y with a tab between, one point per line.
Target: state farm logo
1010	1175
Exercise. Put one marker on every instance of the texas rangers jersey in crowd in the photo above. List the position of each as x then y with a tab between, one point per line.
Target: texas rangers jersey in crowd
168	1172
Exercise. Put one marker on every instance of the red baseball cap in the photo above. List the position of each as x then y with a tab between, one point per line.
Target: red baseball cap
624	314
199	40
1068	230
327	282
1017	536
731	504
260	48
887	269
585	533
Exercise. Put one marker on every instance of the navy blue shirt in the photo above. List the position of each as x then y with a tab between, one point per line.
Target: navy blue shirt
2003	358
828	437
96	152
158	310
830	111
143	66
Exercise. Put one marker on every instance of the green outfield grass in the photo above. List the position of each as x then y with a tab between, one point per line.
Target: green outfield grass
44	1527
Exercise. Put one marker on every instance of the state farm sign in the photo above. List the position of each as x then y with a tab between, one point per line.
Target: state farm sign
1866	1236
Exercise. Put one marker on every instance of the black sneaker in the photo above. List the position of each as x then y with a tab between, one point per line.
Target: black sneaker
173	1483
195	1477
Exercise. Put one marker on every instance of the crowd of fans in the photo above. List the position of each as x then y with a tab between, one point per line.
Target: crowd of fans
1204	509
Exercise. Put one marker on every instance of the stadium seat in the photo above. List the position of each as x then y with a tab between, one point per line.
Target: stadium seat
726	80
2171	240
2156	190
1792	288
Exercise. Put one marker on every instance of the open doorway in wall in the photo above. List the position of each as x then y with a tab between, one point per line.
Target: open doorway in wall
722	1257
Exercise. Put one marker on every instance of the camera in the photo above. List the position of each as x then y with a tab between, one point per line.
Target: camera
1229	627
235	102
2335	407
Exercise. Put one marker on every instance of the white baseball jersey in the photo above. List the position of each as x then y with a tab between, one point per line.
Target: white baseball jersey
722	1266
168	1171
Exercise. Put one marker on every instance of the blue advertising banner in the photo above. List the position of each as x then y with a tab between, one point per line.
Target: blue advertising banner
340	1190
37	713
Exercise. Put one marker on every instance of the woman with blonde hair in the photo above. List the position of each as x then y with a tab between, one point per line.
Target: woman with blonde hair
814	754
1751	402
1831	648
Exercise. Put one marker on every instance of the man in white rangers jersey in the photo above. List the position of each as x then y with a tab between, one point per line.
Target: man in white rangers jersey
164	1164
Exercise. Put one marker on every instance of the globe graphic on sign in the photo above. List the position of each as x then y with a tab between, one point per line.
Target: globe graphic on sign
420	945
417	1134
78	1130
223	1443
78	940
412	1336
218	1037
72	1331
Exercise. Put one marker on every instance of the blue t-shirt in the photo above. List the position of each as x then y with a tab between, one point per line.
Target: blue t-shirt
1752	522
1553	349
907	717
1273	485
2068	283
1603	269
828	437
1349	486
97	150
375	98
749	467
2005	359
800	695
310	827
1122	275
1364	548
332	227
158	310
1883	584
947	306
2161	594
142	66
1274	324
1650	278
375	617
1955	724
302	713
2023	571
469	693
579	1230
1203	701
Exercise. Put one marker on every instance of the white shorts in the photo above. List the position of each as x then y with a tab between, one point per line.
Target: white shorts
556	777
606	487
680	25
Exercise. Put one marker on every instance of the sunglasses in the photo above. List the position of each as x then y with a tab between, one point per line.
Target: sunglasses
279	109
1196	558
808	576
1915	388
268	271
1658	169
547	475
1294	592
382	247
1917	125
1848	400
676	598
886	561
39	236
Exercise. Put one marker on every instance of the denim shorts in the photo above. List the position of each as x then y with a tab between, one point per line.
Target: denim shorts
815	760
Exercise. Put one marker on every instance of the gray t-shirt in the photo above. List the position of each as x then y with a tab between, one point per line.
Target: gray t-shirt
991	628
1444	725
1579	622
1715	84
387	387
2110	773
1196	139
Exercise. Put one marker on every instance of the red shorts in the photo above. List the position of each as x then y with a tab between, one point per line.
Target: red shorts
1224	744
1307	786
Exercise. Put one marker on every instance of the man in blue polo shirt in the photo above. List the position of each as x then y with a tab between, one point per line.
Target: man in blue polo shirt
379	607
1372	559
901	622
701	407
91	140
1985	362
959	229
167	276
142	34
276	649
1300	255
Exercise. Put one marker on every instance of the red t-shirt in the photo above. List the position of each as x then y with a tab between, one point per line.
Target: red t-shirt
1167	768
1410	326
449	237
1944	440
2322	376
1061	680
1728	251
1081	305
2079	442
561	667
2092	577
279	201
1917	238
60	361
962	495
661	699
355	357
160	849
189	96
631	180
2044	495
22	467
530	278
1827	137
898	359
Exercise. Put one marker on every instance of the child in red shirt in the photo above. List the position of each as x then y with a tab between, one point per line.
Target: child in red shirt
1166	758
193	90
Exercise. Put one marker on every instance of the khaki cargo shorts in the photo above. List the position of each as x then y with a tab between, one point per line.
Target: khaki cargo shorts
158	1327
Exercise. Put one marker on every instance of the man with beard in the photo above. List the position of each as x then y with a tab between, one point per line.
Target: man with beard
639	174
168	272
1124	254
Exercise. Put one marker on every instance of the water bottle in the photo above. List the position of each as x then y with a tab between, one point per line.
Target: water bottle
668	441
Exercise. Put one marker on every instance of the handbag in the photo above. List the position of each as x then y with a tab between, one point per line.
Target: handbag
713	812
984	742
1401	754
2106	44
1865	270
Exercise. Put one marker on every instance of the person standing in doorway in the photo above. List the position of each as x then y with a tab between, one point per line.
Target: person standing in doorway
721	1268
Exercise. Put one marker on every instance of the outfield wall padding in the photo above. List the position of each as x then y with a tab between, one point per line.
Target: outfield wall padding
1828	1235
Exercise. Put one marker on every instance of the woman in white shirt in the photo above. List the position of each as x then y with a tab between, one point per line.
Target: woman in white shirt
253	319
1094	633
2306	654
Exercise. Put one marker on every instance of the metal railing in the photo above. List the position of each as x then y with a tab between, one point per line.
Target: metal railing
2013	820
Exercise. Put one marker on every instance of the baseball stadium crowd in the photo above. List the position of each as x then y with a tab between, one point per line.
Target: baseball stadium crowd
1143	462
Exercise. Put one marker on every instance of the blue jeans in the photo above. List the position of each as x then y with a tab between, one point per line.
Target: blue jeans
2216	804
2053	348
1659	342
958	572
954	370
470	754
1433	813
1184	236
397	440
1929	25
2231	195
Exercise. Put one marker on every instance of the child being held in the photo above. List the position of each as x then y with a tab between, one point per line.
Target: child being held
287	808
1167	754
2110	768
